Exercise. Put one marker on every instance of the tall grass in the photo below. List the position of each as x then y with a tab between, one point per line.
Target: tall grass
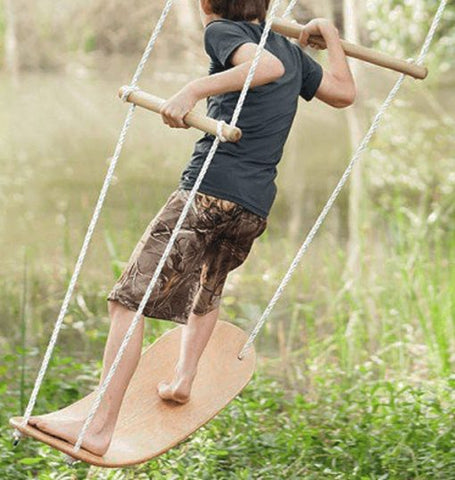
22	347
354	379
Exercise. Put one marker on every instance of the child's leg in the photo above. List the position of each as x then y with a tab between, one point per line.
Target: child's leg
226	251
195	335
99	434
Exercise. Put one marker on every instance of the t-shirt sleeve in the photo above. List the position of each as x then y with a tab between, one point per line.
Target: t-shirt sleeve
222	38
311	76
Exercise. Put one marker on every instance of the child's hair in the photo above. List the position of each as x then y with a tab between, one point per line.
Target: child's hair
240	9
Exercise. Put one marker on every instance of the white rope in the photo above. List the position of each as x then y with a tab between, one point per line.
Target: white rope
252	71
178	226
183	215
91	227
363	145
127	91
431	33
219	130
290	8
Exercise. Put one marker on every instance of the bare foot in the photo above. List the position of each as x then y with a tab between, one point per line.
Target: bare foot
96	439
178	389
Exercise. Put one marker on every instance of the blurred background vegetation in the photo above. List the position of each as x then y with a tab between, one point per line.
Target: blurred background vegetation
354	376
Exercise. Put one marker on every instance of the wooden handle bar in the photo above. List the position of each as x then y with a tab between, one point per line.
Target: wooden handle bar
293	30
193	119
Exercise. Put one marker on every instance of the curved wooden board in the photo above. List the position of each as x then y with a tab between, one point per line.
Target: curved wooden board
149	426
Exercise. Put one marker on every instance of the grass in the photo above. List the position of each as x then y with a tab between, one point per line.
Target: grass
349	386
354	380
350	427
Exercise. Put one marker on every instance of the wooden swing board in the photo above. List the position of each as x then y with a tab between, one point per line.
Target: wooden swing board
148	425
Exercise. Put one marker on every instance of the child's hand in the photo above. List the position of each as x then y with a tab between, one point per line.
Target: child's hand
175	108
317	27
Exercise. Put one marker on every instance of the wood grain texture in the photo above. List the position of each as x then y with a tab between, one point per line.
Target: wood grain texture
193	119
293	30
149	426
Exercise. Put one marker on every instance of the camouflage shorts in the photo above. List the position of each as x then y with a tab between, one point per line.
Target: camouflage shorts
215	238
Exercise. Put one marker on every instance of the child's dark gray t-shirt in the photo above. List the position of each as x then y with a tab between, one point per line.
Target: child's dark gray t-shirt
244	172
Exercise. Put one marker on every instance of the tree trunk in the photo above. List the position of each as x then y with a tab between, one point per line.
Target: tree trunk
188	24
298	190
356	128
313	9
11	56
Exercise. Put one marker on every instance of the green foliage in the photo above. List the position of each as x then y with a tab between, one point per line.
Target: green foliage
50	38
67	380
89	43
116	264
403	180
412	190
364	388
349	428
399	28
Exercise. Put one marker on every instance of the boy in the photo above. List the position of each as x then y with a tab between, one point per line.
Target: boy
231	207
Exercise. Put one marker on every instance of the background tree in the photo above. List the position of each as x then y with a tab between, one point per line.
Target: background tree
189	26
11	55
356	123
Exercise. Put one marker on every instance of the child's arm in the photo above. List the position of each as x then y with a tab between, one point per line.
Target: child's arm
337	87
269	69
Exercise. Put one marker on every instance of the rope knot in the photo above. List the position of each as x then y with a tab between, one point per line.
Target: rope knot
17	435
219	131
128	91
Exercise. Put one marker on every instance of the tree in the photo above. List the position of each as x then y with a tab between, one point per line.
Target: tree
351	13
304	13
189	26
11	56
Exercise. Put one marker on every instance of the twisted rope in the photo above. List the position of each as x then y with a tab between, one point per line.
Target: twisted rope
363	145
219	130
93	222
290	8
177	228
